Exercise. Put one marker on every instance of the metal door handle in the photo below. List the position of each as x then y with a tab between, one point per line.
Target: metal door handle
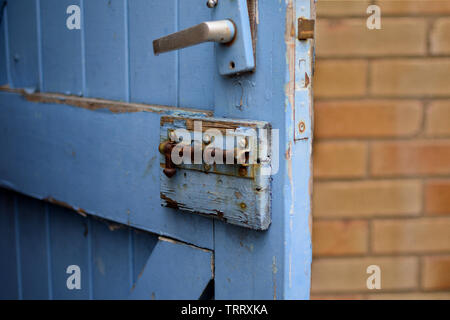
222	31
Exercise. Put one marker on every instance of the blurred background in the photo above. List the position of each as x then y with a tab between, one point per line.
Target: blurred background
382	150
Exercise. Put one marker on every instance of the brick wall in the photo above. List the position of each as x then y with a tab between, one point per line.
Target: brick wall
382	150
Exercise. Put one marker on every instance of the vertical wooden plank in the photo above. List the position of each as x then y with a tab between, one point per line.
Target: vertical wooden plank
143	245
23	43
69	246
111	256
197	64
3	68
274	264
153	79
33	248
61	48
106	49
9	288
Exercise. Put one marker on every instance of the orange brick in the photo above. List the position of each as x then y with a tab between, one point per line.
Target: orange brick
438	119
437	197
349	274
340	237
352	38
440	35
423	235
367	198
339	159
336	8
403	158
340	78
414	7
411	296
410	77
436	273
367	118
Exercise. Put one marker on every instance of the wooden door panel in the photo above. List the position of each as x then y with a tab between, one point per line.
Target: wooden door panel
22	43
8	264
33	242
100	162
101	157
3	68
106	52
40	240
275	264
59	55
152	79
174	271
197	64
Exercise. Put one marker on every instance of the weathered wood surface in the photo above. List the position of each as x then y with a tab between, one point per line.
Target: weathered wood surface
221	192
274	264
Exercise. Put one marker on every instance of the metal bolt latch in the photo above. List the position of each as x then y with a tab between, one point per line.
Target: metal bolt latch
239	156
305	28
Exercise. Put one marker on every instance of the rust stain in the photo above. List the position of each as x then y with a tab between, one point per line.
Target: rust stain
220	214
66	205
301	127
114	226
86	230
289	39
170	202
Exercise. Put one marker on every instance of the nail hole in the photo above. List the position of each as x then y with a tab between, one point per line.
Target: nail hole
232	65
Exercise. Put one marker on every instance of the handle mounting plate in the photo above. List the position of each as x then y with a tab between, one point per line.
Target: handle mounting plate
238	56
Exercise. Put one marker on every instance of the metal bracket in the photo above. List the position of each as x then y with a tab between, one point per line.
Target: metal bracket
305	28
235	191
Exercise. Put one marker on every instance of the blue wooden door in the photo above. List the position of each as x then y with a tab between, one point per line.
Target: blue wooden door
80	116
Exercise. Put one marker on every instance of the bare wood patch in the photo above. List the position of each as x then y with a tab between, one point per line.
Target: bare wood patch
97	104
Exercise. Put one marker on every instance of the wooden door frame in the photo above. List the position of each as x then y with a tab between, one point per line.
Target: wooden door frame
274	264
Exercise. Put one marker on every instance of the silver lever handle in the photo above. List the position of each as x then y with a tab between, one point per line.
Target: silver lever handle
222	31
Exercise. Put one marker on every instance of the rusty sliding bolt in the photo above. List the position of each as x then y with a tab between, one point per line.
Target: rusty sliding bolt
305	28
167	147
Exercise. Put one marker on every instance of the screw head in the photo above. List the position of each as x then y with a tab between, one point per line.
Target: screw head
211	3
242	171
301	127
173	136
